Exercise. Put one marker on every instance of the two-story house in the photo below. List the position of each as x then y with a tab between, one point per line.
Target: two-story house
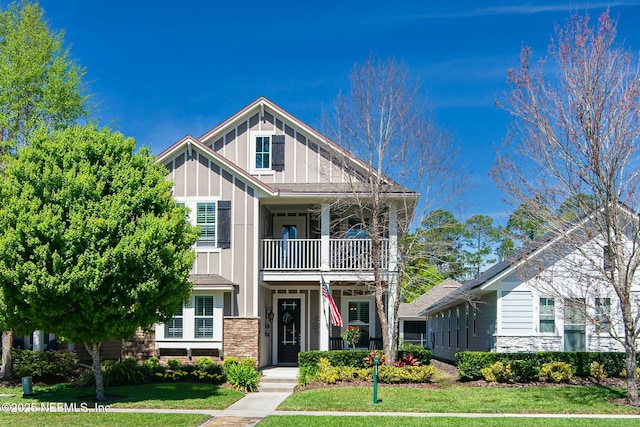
261	186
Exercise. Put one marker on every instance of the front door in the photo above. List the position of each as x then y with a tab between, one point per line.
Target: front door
288	330
574	325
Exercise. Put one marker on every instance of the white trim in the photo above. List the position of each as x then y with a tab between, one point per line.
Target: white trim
252	152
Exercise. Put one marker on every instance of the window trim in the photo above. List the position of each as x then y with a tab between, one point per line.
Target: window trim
371	324
253	152
549	320
601	325
191	203
197	316
170	324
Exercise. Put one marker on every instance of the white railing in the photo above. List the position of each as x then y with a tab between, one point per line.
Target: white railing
305	254
291	254
355	254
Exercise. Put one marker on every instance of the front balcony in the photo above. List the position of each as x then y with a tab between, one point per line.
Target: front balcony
305	255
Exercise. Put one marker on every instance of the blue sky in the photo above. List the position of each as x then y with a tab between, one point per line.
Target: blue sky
163	69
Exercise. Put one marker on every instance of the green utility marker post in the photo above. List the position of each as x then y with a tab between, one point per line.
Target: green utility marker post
375	379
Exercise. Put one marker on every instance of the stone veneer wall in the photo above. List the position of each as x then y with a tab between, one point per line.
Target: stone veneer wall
241	337
141	345
520	344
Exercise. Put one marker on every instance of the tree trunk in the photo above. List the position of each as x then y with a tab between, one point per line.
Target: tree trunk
7	357
94	351
632	378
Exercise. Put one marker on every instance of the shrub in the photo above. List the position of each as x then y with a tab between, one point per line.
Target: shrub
524	371
152	365
406	360
596	370
556	372
470	364
498	372
336	357
230	361
327	373
623	373
58	365
420	353
204	363
243	377
174	364
370	359
406	374
115	373
307	374
249	361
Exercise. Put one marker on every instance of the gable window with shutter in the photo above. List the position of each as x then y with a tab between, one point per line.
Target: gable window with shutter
214	219
267	152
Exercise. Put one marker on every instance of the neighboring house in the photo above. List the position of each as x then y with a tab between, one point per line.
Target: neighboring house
412	325
260	186
516	305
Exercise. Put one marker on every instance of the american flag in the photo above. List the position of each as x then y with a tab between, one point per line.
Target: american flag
336	319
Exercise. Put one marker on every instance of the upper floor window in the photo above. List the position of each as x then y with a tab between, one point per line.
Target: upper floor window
547	315
214	219
267	152
206	220
263	152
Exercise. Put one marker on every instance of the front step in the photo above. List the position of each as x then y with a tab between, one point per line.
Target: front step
278	380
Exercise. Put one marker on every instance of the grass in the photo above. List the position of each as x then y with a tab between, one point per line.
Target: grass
377	421
534	400
100	419
164	395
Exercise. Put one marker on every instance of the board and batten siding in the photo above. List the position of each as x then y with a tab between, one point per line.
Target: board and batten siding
516	313
196	176
304	160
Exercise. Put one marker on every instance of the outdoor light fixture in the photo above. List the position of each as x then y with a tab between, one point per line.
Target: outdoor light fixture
268	321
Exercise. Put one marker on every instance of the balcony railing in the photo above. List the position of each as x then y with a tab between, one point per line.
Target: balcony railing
305	254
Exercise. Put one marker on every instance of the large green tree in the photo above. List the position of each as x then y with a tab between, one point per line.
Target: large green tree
40	88
480	236
94	245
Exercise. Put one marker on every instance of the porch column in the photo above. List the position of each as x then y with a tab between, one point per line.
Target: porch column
393	265
38	340
325	322
325	219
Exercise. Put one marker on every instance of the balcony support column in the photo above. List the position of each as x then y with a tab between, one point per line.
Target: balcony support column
325	218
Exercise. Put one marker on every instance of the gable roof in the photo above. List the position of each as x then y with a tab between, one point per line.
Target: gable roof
413	308
192	143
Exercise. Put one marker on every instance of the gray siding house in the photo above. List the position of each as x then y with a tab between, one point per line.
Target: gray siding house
539	300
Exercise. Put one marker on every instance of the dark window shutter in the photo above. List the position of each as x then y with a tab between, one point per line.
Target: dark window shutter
224	224
277	144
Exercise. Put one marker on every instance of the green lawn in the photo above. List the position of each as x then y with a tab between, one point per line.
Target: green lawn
164	395
100	419
552	400
308	421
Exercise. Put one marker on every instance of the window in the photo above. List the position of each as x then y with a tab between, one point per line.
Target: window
449	329
359	316
173	329
475	311
603	315
263	152
457	327
206	220
547	315
204	316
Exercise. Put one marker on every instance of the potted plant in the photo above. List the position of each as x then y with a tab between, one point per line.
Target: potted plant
352	335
